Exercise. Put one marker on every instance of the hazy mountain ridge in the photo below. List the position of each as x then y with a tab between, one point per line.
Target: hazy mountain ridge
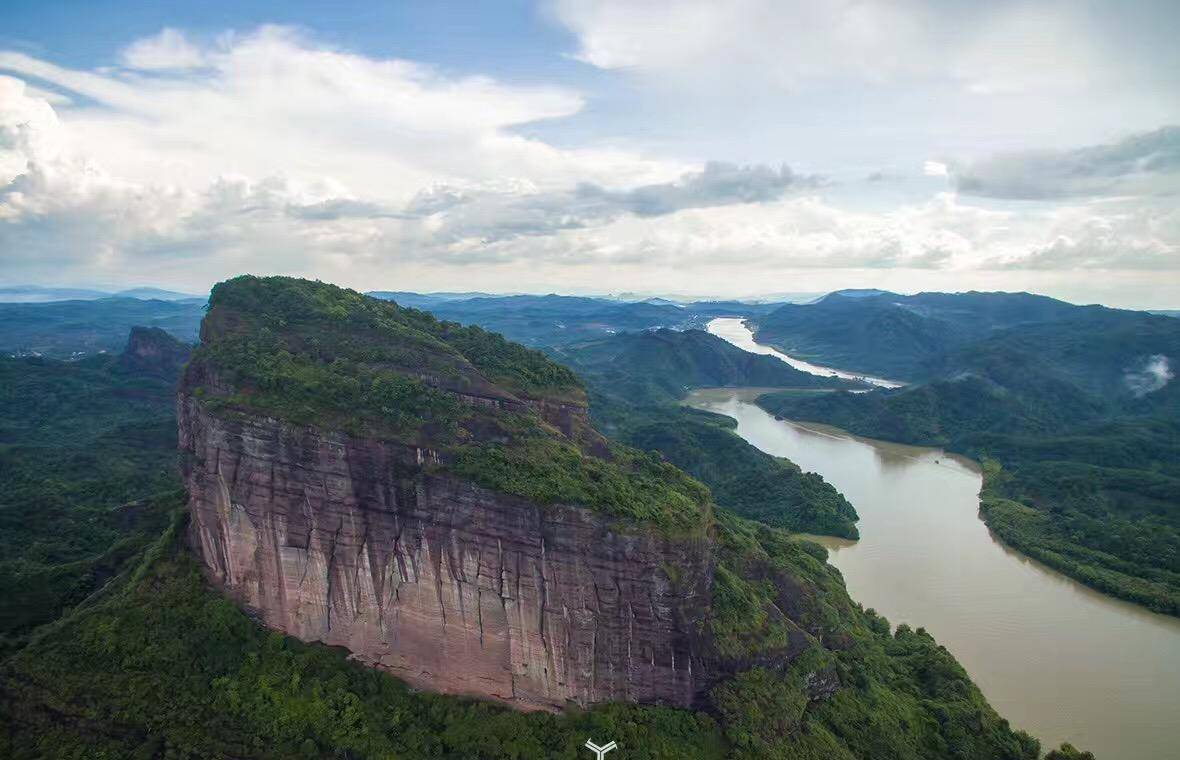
41	293
556	320
660	365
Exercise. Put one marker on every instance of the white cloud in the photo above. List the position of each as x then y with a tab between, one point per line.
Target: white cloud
789	42
271	102
1152	373
270	152
934	169
168	50
986	48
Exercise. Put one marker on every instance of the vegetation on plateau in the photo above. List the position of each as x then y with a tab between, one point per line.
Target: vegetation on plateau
315	354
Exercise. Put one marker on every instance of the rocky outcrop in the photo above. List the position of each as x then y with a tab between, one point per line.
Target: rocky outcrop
153	351
366	544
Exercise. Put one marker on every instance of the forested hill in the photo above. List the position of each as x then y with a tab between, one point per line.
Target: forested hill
1080	419
904	337
654	366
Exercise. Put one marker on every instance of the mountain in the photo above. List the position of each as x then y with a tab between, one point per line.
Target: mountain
157	294
423	300
38	294
152	351
432	500
554	320
1078	421
661	365
72	329
441	441
896	336
741	477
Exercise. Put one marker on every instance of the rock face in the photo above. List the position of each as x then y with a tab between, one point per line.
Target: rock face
361	543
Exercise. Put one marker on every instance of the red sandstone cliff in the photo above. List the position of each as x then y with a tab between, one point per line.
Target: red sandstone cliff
368	540
449	586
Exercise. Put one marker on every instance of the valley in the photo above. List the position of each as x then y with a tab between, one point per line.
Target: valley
425	495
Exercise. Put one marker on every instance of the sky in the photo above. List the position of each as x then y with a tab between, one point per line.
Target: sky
739	148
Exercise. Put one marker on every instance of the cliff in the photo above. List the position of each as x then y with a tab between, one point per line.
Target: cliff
450	586
383	541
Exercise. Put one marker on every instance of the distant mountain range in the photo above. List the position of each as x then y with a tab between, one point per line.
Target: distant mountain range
897	336
39	294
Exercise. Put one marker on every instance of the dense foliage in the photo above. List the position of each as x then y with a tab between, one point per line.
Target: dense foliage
631	484
638	381
87	458
325	323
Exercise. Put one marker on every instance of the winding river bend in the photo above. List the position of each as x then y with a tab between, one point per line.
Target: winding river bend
1054	657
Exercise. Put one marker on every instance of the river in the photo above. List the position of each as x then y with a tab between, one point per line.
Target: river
1054	657
735	331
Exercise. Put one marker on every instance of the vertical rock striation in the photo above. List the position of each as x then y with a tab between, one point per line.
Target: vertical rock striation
361	543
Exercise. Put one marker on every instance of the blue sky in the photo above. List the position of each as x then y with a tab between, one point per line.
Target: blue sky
736	148
503	38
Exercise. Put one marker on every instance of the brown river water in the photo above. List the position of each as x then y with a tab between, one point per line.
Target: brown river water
1059	660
